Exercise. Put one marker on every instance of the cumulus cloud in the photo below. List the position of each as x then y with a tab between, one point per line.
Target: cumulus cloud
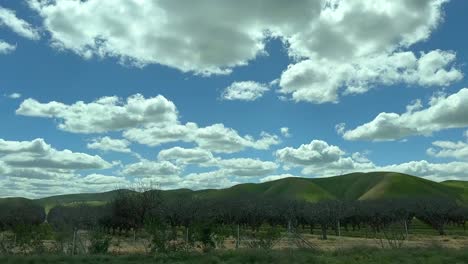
228	167
155	135
105	114
285	132
244	91
208	180
110	144
449	149
14	95
151	169
180	36
320	81
186	156
435	171
215	138
318	35
277	177
39	154
153	121
6	48
443	112
9	19
321	159
218	138
317	152
100	180
36	169
40	187
245	167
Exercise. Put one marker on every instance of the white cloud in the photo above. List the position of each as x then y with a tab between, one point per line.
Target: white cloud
449	149
40	187
433	171
6	48
182	33
159	134
215	138
320	81
321	159
340	128
317	152
110	144
9	19
277	177
228	167
285	132
244	91
14	95
443	112
37	161
207	180
104	114
151	169
218	138
245	167
100	180
38	154
186	156
153	121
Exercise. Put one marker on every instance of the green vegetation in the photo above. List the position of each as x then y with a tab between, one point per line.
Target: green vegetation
354	186
349	256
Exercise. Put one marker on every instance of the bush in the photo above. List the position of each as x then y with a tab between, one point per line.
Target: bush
100	243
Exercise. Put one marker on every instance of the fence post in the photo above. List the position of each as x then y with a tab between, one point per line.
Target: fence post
406	229
238	236
339	228
74	242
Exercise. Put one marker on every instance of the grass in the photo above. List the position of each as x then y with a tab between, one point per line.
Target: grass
349	256
354	186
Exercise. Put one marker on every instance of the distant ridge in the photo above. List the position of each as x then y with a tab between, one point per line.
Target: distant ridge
353	186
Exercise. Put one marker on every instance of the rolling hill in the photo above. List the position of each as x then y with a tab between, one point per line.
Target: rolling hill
354	186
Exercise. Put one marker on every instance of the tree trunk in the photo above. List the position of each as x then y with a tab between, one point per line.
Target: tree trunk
441	230
324	233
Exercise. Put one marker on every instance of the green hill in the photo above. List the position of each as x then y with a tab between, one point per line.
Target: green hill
381	185
460	187
354	186
73	199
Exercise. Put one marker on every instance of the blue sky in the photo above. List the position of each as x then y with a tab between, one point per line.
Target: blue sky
307	68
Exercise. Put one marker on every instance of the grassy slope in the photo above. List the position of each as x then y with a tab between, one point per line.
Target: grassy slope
461	187
73	199
289	188
354	186
351	186
396	185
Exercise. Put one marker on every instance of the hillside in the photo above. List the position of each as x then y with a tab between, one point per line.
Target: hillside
460	187
354	186
380	185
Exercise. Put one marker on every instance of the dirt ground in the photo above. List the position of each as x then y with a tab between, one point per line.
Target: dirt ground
129	246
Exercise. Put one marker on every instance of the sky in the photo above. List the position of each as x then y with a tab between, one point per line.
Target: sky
103	94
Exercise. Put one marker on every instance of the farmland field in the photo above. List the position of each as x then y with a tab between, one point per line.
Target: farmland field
357	255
